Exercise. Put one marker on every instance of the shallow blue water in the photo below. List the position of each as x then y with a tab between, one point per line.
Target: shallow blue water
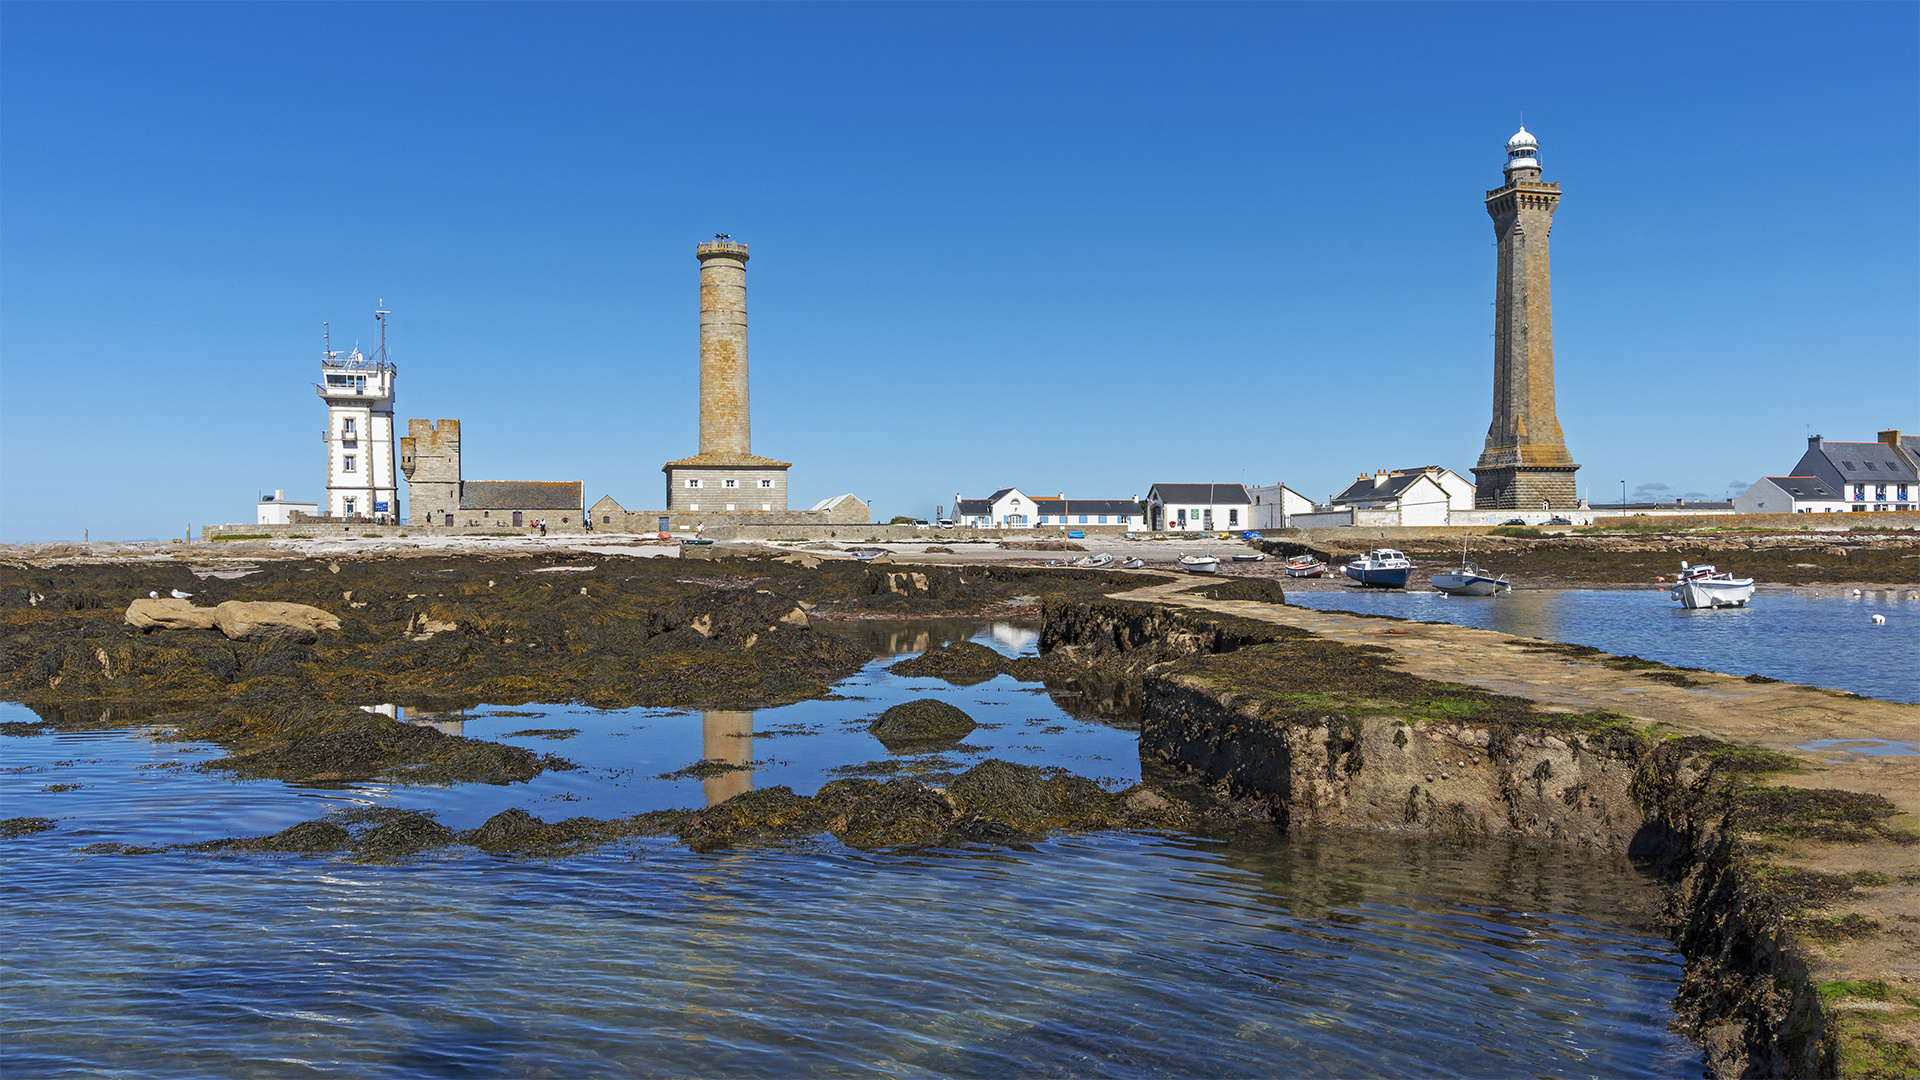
1817	637
1106	955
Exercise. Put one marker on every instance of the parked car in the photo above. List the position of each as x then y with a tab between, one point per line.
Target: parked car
921	523
944	524
1076	535
1513	521
1558	521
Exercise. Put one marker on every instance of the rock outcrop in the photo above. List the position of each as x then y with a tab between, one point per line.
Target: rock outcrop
169	615
268	620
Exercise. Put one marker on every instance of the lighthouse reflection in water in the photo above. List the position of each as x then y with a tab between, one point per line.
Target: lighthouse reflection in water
727	736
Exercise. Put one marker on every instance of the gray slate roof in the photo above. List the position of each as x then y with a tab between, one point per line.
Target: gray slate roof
1202	494
522	495
1086	506
973	506
1871	463
1804	487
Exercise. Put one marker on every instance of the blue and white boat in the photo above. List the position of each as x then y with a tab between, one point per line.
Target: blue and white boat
1381	567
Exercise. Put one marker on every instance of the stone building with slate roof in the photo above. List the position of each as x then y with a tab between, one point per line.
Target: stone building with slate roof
441	498
1423	496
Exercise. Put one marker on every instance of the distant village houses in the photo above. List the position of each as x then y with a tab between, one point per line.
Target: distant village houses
1011	508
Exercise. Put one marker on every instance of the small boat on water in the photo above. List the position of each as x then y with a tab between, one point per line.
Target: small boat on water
1093	562
1467	580
1706	586
1199	564
1250	556
1305	566
1134	563
1382	567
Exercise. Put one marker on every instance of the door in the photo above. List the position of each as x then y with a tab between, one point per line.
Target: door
516	519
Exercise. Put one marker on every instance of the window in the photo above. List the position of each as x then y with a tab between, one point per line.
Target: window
346	505
1903	493
1848	464
1103	519
346	463
449	519
728	483
1880	492
606	519
1859	492
1873	467
766	483
1233	517
1126	519
346	427
1183	517
693	483
1083	519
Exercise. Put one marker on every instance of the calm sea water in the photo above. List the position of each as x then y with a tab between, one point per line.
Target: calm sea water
1820	637
1105	955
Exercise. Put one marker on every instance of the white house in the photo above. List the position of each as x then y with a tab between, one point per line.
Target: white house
1274	506
1010	508
274	509
1198	507
1882	475
1790	495
1423	496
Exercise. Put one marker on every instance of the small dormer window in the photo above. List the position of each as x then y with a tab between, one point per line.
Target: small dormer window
1848	464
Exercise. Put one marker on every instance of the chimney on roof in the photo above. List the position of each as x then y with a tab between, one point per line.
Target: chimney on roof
1379	478
1813	441
1891	438
1063	495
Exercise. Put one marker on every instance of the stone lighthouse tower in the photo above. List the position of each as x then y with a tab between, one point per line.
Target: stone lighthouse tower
1525	465
725	477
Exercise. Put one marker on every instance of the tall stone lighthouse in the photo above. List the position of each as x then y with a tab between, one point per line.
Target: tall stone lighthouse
1525	465
725	477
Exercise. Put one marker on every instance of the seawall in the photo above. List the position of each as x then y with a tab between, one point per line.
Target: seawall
1784	896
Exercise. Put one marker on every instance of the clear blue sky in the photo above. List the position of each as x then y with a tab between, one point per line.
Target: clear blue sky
1075	247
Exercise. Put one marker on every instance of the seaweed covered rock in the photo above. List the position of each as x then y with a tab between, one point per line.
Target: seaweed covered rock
754	816
923	722
309	741
396	833
1029	799
897	813
963	663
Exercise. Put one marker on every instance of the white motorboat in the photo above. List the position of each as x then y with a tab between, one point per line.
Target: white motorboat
1134	563
1706	586
1199	564
1251	556
1383	567
1305	566
1093	562
1467	580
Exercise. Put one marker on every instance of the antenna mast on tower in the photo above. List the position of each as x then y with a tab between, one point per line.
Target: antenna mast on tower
380	313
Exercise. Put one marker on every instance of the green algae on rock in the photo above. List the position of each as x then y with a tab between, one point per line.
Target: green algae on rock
921	723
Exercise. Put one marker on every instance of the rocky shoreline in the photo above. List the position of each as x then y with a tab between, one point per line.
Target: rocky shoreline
1785	898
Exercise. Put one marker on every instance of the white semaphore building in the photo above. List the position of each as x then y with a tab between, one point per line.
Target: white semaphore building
359	395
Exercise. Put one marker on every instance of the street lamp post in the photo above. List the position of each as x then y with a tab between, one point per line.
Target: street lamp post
1623	496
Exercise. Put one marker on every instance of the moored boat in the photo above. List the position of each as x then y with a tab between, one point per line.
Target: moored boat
1199	564
1305	566
1382	568
1250	556
1467	580
1706	586
1134	563
1093	562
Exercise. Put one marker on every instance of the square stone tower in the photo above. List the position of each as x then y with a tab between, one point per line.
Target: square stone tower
725	476
1525	465
430	459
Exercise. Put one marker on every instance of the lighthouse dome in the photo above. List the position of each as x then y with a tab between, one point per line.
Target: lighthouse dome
1523	151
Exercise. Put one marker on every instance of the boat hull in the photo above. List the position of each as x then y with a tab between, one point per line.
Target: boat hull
1306	571
1469	584
1394	578
1201	566
1714	594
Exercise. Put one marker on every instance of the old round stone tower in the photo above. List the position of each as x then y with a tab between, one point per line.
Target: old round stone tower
725	477
1525	465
